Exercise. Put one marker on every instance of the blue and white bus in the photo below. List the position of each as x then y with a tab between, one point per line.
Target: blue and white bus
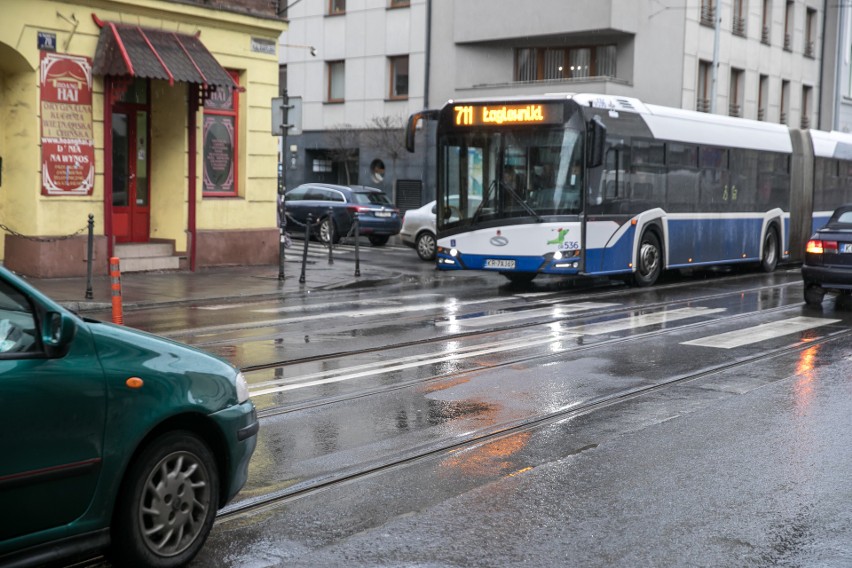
597	185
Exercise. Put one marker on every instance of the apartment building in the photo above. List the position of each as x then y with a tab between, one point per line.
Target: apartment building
758	59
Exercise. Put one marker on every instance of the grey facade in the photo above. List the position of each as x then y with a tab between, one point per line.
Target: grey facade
768	62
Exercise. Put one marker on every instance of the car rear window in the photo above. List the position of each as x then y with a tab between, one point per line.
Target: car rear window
372	198
845	218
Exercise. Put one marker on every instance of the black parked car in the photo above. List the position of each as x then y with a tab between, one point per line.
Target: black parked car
378	219
828	258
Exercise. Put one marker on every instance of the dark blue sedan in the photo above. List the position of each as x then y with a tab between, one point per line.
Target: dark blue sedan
334	208
828	258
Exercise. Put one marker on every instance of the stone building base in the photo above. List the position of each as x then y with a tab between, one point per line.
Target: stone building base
59	258
237	247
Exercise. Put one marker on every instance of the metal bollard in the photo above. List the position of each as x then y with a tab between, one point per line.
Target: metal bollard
357	248
282	231
115	279
330	234
308	222
90	253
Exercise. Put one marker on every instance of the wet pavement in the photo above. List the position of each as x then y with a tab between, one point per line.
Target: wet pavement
228	284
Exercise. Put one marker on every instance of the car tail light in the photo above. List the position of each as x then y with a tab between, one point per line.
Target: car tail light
356	209
817	246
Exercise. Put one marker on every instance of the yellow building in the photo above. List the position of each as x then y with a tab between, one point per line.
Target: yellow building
151	116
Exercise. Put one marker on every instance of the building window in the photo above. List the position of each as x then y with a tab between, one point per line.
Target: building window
336	81
785	101
708	13
762	97
807	95
221	128
553	64
766	22
735	96
810	33
788	25
399	77
739	18
336	7
702	99
399	3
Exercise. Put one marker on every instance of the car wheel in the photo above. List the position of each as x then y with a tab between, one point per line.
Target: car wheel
378	240
425	245
649	264
520	277
326	229
167	504
814	295
769	254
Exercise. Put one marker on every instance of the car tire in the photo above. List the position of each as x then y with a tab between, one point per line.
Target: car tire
769	251
649	261
326	227
520	277
173	484
379	240
426	245
814	294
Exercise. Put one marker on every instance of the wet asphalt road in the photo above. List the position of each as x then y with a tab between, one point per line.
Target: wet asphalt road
462	422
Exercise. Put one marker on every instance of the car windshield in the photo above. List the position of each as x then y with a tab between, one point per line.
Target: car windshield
372	198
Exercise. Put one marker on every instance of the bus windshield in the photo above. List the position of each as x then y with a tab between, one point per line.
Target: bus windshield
509	173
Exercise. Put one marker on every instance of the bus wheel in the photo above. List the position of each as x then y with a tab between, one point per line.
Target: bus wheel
650	261
520	277
769	254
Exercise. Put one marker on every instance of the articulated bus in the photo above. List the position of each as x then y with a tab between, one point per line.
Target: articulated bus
598	185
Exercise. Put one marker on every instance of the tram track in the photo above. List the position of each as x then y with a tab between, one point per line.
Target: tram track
471	439
466	335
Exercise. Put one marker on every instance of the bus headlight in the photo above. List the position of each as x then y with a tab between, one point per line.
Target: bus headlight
454	253
557	255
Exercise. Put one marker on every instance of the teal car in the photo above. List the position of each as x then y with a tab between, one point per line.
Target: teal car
111	440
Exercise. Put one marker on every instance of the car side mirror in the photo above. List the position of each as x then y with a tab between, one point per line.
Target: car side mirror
58	331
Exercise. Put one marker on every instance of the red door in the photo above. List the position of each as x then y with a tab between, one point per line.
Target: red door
131	206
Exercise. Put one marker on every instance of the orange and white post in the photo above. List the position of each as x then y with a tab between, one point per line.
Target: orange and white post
115	278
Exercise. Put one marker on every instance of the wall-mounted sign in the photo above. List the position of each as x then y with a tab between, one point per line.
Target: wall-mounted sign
47	41
262	45
67	142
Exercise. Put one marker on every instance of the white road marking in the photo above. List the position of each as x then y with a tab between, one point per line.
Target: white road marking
503	317
381	367
759	333
645	320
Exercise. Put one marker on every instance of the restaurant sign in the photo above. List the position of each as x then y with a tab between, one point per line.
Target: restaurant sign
67	143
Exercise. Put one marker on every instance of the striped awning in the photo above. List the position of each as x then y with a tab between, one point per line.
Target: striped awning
133	51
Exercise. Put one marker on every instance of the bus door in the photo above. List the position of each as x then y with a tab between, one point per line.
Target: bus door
605	192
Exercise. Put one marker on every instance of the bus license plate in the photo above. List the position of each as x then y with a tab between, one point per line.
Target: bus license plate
845	247
499	263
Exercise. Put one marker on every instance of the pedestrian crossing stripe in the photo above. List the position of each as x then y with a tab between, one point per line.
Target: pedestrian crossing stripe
758	333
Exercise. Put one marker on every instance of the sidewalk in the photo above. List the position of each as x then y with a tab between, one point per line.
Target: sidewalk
229	284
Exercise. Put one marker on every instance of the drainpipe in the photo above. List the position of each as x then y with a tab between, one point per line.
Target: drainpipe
428	53
715	70
193	143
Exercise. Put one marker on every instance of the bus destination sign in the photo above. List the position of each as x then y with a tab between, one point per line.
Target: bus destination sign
499	115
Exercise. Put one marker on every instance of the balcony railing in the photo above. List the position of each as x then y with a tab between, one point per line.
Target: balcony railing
783	118
809	49
788	42
805	122
764	35
735	110
738	26
708	15
702	105
761	114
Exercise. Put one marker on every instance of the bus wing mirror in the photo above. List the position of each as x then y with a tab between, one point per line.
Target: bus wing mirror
412	126
595	142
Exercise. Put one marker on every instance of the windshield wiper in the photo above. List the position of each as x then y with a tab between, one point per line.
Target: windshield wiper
482	203
523	203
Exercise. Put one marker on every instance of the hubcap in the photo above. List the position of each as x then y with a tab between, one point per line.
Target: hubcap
426	246
174	504
770	249
649	259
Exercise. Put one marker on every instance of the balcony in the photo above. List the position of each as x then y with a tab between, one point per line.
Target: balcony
708	15
738	27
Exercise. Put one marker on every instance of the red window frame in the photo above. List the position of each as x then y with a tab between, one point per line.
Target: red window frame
212	111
